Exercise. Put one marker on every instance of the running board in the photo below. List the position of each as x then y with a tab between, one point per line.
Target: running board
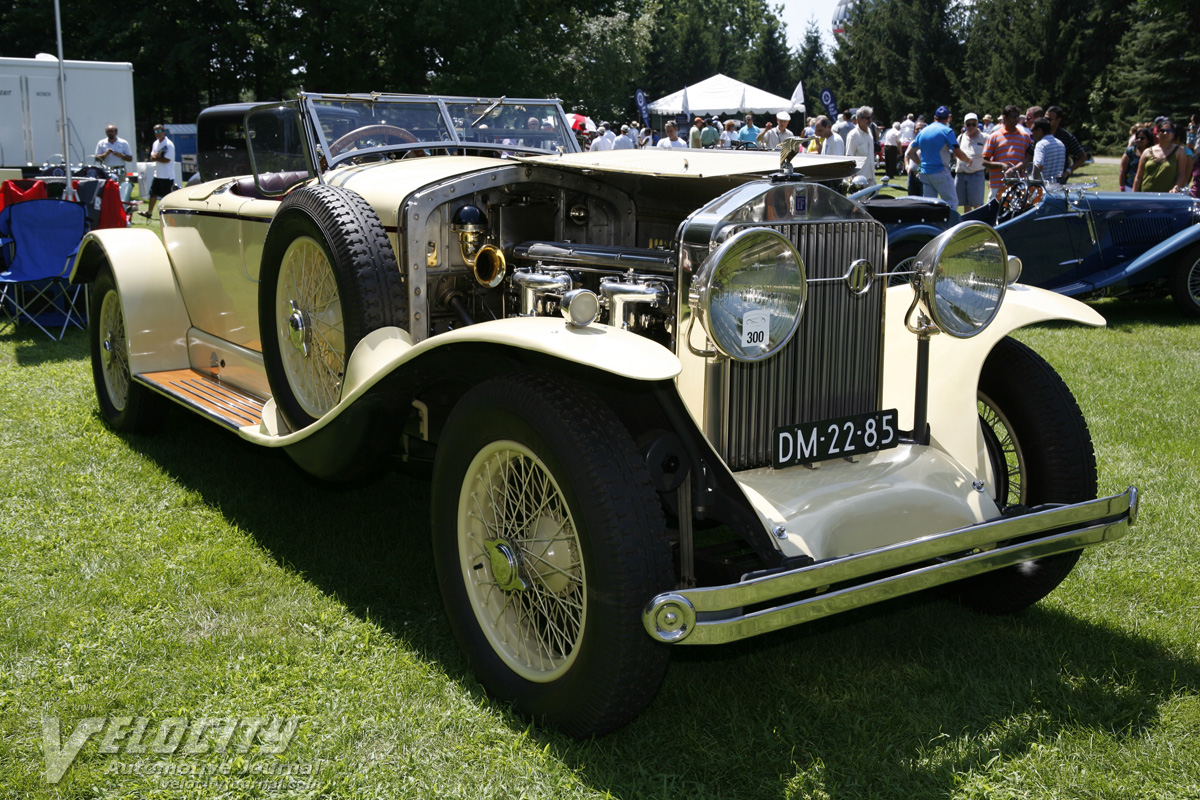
206	395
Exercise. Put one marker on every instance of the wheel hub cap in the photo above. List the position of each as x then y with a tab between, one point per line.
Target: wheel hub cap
298	328
505	564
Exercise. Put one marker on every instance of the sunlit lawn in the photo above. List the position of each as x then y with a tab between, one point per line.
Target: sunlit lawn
193	575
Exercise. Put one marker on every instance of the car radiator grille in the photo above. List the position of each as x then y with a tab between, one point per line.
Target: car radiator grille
832	367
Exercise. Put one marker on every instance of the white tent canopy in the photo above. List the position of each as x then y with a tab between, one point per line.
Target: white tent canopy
721	94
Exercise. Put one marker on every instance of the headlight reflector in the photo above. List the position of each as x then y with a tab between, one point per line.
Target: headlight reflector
963	276
750	294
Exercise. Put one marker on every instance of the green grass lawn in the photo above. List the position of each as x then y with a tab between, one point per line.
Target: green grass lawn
192	575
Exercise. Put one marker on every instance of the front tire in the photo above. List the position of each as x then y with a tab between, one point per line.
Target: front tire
328	278
1185	282
125	405
1041	452
548	539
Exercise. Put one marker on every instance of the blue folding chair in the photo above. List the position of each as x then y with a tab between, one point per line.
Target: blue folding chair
38	242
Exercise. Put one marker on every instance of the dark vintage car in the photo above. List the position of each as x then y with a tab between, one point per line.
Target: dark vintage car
1071	240
665	397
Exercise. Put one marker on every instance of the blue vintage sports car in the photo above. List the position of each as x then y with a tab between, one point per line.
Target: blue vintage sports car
1071	240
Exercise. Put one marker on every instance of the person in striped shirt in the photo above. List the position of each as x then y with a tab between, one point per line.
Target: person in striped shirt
1005	150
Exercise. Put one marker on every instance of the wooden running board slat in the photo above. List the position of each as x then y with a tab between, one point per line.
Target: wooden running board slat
204	393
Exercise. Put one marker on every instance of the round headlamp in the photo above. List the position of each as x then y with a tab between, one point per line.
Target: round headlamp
750	294
963	274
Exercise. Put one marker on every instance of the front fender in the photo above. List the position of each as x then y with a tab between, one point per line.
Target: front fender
383	351
955	365
156	319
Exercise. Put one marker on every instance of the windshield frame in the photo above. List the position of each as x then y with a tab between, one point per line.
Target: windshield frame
453	138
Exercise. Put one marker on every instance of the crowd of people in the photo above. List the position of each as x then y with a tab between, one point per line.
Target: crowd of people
965	165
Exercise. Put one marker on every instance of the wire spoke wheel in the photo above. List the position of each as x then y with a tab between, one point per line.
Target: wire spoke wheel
520	553
114	350
312	338
1005	454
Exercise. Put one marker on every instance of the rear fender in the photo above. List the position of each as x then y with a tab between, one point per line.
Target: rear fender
156	320
955	365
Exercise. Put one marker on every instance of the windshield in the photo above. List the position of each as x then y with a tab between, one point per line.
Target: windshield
382	126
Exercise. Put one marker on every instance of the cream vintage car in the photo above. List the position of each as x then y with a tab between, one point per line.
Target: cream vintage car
666	396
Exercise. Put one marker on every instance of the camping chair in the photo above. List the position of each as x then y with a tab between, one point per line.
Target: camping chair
38	242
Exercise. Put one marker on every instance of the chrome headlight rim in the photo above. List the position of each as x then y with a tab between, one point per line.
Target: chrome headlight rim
929	265
702	292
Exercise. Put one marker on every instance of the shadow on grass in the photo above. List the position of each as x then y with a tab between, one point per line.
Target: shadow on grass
31	347
894	700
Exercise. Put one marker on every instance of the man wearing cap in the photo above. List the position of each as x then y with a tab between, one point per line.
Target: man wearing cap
968	182
162	153
601	141
860	144
749	131
772	136
694	133
934	143
988	126
623	142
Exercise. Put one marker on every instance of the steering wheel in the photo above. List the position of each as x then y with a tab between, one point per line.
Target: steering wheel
342	142
1017	198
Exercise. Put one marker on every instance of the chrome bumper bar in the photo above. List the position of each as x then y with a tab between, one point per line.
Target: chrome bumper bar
716	614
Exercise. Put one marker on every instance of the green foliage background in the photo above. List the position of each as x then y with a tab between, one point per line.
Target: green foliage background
1108	62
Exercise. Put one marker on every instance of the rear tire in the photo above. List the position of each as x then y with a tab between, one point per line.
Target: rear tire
1185	282
1041	452
125	405
549	538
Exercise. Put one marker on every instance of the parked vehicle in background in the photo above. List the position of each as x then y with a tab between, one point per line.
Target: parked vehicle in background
665	397
98	92
1071	240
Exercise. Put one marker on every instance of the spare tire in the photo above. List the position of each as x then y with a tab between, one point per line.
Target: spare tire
328	277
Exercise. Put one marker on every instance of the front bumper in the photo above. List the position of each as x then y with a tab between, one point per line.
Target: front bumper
716	614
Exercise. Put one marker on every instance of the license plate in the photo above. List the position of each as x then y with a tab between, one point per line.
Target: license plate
834	438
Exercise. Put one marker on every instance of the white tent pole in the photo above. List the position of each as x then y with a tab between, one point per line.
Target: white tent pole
68	192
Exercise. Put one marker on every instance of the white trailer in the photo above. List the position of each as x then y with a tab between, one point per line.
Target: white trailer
98	92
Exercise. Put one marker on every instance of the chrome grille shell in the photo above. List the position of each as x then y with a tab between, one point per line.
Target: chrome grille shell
832	367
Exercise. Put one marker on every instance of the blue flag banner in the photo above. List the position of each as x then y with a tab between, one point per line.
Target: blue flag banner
829	103
643	107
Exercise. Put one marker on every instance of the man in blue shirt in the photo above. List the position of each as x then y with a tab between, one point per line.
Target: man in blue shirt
934	143
749	133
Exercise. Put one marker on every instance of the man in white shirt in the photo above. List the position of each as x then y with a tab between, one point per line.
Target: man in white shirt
771	136
860	144
623	142
113	151
827	142
672	138
601	142
908	131
892	152
162	153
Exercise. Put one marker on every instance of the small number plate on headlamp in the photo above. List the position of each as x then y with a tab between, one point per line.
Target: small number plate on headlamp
841	437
